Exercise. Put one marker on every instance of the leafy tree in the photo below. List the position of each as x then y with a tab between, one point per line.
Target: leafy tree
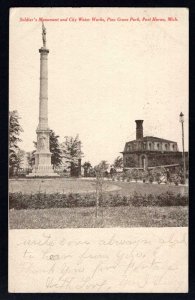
71	149
118	163
103	166
31	158
20	158
14	132
56	157
87	166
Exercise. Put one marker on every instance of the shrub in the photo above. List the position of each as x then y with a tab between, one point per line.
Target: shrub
163	199
43	200
115	200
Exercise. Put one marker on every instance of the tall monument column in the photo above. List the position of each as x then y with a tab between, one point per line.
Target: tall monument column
43	165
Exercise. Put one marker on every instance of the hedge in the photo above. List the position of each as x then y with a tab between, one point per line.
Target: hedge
42	200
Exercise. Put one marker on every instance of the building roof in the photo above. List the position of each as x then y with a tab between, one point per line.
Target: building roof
152	139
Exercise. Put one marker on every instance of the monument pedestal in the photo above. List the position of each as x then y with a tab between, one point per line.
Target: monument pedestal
43	166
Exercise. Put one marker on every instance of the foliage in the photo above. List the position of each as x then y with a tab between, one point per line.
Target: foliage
92	172
112	172
130	162
158	174
71	150
102	167
31	158
43	200
56	157
87	166
163	199
20	158
15	154
118	163
135	174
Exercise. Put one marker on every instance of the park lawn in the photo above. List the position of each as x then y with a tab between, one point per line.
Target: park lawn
82	186
57	185
108	217
127	189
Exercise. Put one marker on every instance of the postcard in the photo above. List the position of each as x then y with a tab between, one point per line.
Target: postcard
98	150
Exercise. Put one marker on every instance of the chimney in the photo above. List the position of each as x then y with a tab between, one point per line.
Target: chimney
139	129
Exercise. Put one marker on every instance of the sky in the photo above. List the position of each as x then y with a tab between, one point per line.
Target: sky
102	75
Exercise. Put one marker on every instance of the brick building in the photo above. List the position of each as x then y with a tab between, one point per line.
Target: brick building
150	151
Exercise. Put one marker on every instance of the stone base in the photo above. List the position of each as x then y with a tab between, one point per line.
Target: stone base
43	167
43	171
31	175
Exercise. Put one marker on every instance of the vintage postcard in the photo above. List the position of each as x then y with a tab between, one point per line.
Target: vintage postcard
98	150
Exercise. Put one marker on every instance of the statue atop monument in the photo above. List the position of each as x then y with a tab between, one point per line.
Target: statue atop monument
44	35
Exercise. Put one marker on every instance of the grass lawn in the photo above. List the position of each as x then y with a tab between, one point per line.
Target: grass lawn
56	185
122	216
147	188
108	217
66	186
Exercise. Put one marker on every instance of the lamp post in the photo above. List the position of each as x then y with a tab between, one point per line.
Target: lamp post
181	118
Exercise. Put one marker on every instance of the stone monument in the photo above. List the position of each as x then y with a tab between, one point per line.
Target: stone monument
43	167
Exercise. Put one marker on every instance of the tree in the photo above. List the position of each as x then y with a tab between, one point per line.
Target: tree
87	166
71	149
56	157
31	158
20	158
14	132
103	166
118	163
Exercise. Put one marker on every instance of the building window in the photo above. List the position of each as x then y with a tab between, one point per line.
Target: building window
150	146
144	146
166	147
173	147
158	146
